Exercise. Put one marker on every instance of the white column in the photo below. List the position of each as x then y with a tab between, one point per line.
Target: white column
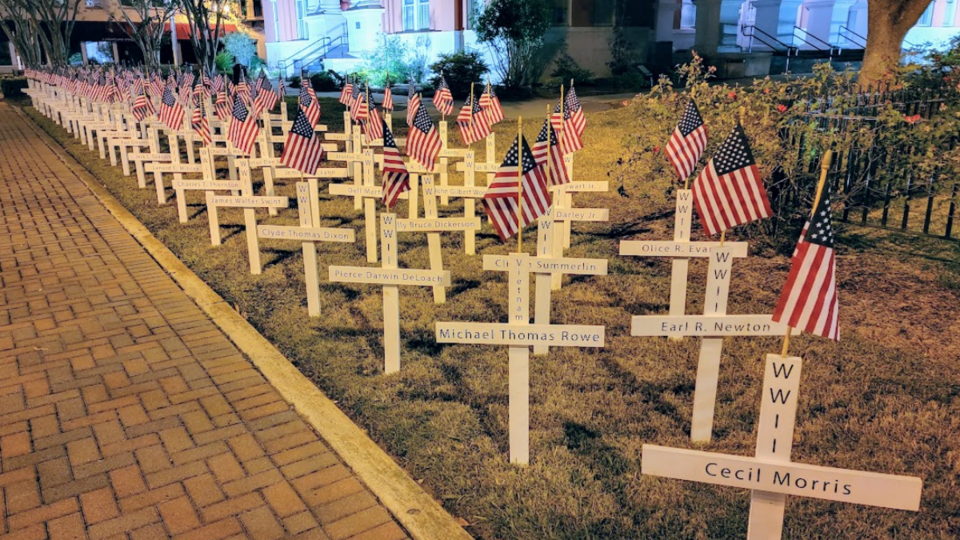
666	11
116	53
173	38
717	26
83	52
819	22
776	18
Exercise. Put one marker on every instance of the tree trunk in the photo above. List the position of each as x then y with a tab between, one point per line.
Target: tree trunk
889	21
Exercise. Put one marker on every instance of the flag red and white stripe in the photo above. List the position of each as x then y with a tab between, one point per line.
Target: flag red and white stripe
472	122
500	200
423	141
729	191
547	153
243	129
396	179
387	98
443	99
809	298
413	103
688	141
373	126
308	102
199	122
491	105
303	150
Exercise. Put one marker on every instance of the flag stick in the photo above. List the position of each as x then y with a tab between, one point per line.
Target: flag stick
824	170
549	161
519	184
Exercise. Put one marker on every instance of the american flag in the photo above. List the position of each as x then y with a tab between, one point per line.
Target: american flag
346	93
171	113
547	153
473	122
729	191
687	142
387	98
576	118
242	90
156	86
491	104
359	109
423	141
563	123
199	122
217	84
413	103
243	127
500	199
308	102
303	149
373	126
267	98
142	106
222	105
809	298
442	98
396	179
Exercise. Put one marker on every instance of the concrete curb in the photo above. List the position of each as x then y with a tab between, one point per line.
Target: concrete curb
419	513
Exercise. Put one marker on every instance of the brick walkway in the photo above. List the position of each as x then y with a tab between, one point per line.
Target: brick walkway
124	411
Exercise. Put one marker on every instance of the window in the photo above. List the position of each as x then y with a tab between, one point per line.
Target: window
416	15
302	31
927	18
949	13
602	13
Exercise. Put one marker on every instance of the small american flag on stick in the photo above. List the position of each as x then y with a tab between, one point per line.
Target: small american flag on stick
687	142
387	98
491	104
396	179
442	98
473	122
171	113
547	153
413	103
729	190
346	93
243	127
423	141
809	298
199	122
373	126
500	200
303	149
308	102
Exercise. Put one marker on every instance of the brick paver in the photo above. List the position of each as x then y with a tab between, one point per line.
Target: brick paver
124	411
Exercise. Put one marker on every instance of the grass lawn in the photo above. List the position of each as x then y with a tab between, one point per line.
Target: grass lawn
884	399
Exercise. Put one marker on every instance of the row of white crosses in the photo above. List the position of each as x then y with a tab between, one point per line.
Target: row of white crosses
770	475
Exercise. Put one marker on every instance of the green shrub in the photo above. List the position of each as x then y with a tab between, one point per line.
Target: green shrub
325	81
240	47
12	86
390	58
224	61
460	69
566	68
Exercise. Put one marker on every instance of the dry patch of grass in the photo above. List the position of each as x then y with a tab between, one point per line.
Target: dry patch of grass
884	399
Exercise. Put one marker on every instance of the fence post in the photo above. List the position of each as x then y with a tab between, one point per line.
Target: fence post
926	219
886	205
950	213
906	204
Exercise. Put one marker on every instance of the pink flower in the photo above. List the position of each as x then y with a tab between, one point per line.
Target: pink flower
766	90
782	108
732	94
656	149
912	119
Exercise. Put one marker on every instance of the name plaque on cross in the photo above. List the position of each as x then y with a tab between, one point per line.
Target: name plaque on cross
519	335
770	475
308	233
391	277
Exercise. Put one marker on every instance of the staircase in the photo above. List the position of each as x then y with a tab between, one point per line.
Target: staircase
311	58
789	57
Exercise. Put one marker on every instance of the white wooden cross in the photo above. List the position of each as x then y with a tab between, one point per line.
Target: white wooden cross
677	325
154	154
548	264
443	168
369	193
770	475
248	201
391	277
273	170
563	202
361	165
208	182
519	335
433	225
309	233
